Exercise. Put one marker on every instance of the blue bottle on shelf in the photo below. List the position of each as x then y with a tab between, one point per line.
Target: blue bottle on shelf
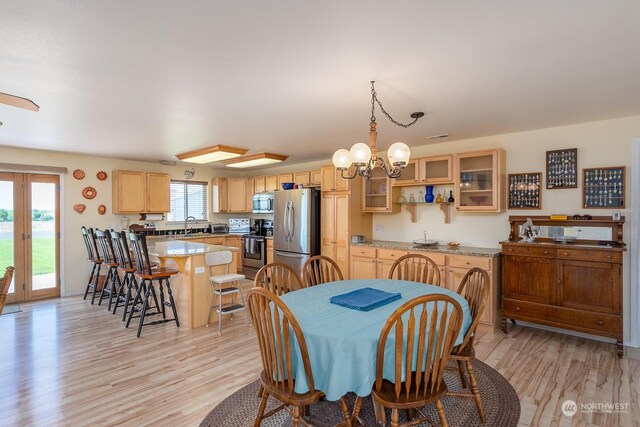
429	196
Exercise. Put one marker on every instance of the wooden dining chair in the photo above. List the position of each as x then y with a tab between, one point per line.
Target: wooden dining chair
146	293
423	332
278	332
416	268
95	279
320	269
5	283
278	278
474	287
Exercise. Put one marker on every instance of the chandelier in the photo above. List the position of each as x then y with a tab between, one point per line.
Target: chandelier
365	157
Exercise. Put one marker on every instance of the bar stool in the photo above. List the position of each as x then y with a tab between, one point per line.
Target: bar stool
112	282
149	276
217	282
126	266
94	258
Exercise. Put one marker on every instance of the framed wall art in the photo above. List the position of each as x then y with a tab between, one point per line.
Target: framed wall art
524	190
562	169
603	187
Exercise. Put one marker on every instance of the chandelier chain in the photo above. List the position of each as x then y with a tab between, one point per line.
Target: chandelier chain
374	100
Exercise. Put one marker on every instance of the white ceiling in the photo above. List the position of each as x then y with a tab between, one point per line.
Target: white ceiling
149	79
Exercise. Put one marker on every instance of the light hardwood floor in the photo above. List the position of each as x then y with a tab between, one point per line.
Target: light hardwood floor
65	362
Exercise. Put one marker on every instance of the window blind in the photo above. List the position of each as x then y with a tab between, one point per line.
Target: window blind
188	199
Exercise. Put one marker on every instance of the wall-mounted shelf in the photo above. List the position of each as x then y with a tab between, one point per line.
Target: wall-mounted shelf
444	207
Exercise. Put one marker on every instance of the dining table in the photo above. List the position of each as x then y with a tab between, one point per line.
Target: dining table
342	342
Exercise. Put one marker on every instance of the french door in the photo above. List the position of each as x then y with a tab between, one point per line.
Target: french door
30	234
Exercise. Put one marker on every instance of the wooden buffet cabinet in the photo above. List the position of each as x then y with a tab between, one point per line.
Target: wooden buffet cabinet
575	286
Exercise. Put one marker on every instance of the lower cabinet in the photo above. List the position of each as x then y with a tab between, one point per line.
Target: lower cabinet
270	251
574	289
368	262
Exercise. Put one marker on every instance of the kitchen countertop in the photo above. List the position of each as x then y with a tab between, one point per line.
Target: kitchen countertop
181	248
443	249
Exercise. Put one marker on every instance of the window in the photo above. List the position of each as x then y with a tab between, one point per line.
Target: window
188	199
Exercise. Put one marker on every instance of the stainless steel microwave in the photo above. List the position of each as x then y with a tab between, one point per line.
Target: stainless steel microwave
263	203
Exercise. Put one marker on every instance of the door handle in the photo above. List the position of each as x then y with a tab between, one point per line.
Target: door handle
289	255
292	222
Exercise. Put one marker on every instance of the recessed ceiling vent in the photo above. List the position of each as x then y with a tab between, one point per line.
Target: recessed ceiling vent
442	135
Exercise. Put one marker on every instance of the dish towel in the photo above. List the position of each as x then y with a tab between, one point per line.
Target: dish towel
365	299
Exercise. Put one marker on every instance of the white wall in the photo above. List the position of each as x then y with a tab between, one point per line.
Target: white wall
603	143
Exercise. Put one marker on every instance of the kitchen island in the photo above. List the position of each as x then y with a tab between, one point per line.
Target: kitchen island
191	288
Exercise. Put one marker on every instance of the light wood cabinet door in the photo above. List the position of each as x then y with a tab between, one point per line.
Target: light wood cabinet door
342	237
362	268
285	177
270	251
158	193
316	177
410	175
219	195
249	184
301	178
436	169
271	183
236	242
327	179
128	191
328	224
479	181
236	195
259	184
383	268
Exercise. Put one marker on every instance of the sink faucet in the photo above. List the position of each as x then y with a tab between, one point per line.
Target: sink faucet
186	220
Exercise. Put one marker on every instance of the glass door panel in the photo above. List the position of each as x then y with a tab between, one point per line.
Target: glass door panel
476	181
42	234
7	230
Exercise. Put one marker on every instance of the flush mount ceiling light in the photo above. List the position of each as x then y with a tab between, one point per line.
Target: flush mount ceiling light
252	160
365	157
215	153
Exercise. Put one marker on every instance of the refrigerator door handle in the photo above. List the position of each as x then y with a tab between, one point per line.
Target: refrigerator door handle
284	222
292	223
290	255
288	220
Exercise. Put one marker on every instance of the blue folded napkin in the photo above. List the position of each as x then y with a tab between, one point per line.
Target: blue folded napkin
365	299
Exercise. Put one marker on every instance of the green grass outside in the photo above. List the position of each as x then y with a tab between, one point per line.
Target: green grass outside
44	259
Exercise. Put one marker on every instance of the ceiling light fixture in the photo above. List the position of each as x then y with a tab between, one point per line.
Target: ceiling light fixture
365	157
215	153
252	160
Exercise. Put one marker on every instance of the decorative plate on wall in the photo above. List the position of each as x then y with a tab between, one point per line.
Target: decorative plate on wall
78	174
102	209
89	193
79	208
102	175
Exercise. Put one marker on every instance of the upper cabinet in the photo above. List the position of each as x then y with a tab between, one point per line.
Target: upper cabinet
232	195
332	180
436	169
271	183
479	180
138	192
301	178
237	194
259	184
316	177
282	178
410	175
378	194
219	195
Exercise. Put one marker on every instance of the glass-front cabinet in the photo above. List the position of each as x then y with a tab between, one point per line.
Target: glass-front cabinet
377	193
410	174
436	169
479	180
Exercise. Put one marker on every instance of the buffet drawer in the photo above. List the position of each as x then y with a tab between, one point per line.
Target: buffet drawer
526	250
579	254
609	324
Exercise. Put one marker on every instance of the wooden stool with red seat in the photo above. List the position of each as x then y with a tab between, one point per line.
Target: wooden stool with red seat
149	276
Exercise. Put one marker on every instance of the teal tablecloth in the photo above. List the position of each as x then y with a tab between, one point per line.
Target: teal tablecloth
342	342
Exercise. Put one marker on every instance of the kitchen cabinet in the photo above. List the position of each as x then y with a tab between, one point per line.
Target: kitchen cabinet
236	195
369	262
479	181
249	186
302	178
271	183
410	175
377	193
436	169
219	195
332	180
577	288
140	192
259	184
236	242
316	178
270	251
285	177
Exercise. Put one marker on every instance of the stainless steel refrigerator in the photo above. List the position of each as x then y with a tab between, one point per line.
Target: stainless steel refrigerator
296	226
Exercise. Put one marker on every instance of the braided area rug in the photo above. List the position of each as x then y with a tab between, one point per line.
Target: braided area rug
501	406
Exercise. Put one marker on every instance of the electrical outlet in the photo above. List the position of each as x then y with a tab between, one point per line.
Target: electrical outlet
616	215
379	227
199	270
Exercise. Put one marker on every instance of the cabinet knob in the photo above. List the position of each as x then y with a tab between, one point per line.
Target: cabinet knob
565	253
510	250
517	308
546	252
468	263
608	256
600	322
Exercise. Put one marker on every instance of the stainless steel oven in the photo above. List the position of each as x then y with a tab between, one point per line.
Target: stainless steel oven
254	254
